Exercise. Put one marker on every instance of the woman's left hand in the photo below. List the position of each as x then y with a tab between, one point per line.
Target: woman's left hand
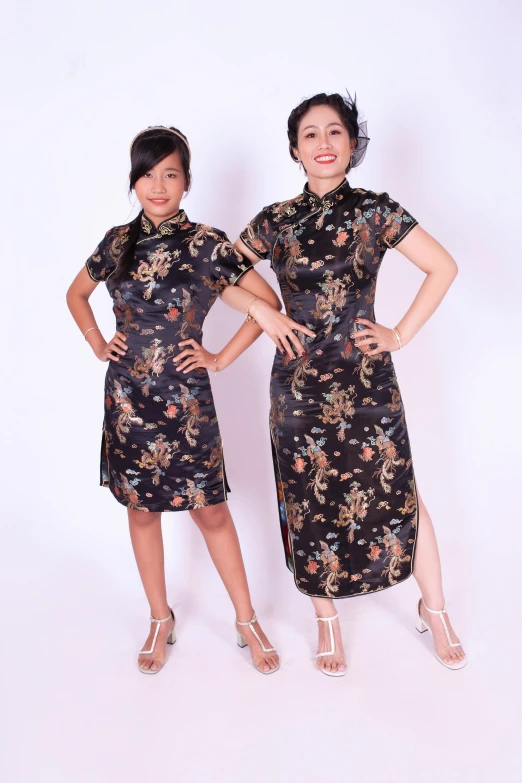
194	356
374	334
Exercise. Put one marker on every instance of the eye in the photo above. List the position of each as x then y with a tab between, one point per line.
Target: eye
173	176
148	174
336	131
310	135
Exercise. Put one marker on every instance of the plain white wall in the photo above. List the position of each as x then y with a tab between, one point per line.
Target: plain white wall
438	86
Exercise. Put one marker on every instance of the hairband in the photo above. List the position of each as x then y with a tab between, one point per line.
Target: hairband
162	128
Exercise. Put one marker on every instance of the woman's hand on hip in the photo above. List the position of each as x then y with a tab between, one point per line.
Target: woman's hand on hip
382	338
194	356
280	328
113	349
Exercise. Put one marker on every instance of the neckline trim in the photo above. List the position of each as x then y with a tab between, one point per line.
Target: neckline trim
166	227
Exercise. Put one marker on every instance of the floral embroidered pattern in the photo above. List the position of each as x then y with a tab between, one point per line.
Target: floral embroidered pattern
346	491
162	447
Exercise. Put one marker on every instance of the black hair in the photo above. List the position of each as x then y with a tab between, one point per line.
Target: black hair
147	150
348	113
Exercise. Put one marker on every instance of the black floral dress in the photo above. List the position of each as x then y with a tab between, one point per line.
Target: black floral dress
161	447
342	460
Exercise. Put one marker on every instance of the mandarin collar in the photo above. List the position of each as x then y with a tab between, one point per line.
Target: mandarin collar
337	194
166	227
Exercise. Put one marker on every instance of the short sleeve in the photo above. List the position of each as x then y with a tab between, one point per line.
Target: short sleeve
392	222
227	265
260	235
100	264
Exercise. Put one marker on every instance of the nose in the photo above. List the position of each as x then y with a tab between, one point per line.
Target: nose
324	141
158	186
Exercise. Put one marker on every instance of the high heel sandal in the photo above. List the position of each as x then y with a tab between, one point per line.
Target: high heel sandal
421	626
242	642
171	638
332	644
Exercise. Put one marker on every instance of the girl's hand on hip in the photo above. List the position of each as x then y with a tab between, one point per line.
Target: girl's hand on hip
194	356
374	334
113	349
280	328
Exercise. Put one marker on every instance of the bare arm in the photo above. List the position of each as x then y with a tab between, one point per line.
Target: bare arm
251	288
427	254
78	295
278	326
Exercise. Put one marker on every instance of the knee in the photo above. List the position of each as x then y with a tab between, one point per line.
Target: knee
211	518
143	519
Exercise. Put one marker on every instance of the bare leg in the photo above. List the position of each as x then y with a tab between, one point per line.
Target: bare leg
427	572
324	607
219	532
147	542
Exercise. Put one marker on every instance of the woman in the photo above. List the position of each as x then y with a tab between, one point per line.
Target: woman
352	520
161	446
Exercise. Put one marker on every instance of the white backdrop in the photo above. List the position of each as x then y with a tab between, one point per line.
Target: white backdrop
438	85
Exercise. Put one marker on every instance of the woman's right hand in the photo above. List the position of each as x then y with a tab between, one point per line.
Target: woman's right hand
113	349
279	327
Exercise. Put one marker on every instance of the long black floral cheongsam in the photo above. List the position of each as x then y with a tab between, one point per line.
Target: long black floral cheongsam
342	460
161	448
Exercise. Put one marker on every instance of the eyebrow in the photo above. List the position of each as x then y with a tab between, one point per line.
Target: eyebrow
328	126
171	168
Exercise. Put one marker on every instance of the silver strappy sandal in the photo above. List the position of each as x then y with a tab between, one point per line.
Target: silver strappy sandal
421	626
242	642
332	645
171	638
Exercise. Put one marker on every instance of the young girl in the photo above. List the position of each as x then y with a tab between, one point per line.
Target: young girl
351	516
161	448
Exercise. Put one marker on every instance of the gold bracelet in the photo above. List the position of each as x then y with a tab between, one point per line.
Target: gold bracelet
90	330
398	336
250	318
216	365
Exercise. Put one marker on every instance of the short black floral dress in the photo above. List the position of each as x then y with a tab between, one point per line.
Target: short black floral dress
342	460
161	446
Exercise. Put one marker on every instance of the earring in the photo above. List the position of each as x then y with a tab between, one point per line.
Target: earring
352	161
300	164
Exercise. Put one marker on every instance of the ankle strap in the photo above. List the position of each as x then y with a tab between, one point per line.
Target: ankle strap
434	611
326	619
164	620
253	620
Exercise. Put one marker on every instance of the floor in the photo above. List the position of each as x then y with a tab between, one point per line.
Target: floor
76	709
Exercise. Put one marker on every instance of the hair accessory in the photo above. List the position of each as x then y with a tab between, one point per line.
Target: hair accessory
362	132
162	128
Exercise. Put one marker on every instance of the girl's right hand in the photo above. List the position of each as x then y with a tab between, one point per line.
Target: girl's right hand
113	349
279	327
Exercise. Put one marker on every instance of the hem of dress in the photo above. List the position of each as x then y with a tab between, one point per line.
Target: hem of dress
155	510
351	595
106	483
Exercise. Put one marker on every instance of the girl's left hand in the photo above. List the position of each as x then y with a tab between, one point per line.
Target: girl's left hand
374	334
194	356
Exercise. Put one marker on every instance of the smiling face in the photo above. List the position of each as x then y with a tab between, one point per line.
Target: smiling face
161	189
323	144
